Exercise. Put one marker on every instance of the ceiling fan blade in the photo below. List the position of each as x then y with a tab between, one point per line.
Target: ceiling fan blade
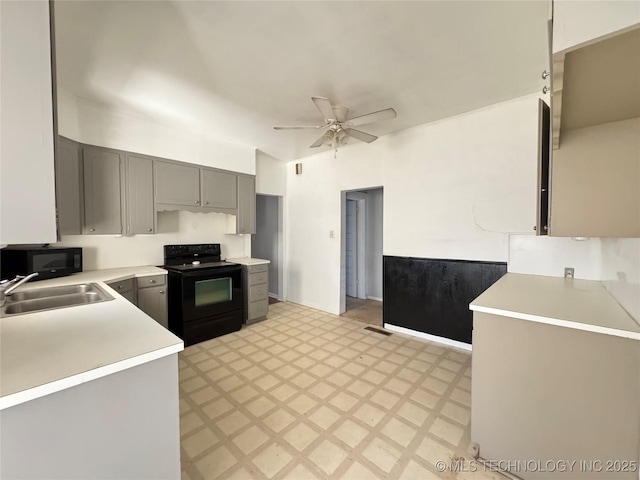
385	114
365	137
324	105
318	142
299	127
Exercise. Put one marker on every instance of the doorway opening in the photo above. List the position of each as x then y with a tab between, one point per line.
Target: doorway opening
361	259
267	243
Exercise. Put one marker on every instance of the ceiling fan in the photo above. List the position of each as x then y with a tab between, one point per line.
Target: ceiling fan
338	127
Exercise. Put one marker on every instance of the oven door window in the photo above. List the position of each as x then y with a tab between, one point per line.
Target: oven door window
210	292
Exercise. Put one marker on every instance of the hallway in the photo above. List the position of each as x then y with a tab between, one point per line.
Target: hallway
366	311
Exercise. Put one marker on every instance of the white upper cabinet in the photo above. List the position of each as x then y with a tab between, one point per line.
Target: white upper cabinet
578	22
595	165
27	191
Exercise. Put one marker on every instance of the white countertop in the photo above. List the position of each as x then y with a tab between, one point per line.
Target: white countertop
45	352
572	303
248	261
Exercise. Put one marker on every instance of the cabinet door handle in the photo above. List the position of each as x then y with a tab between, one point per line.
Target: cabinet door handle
152	281
161	292
206	203
259	278
197	202
119	287
149	229
92	229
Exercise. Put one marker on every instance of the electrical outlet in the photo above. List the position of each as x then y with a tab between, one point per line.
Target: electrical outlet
330	233
568	272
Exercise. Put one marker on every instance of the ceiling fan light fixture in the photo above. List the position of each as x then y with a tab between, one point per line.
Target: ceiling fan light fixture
338	125
329	138
342	137
341	112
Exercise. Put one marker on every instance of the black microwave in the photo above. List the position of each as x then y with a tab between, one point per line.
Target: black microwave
49	262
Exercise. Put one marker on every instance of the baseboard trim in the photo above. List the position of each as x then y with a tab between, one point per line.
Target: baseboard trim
377	299
304	303
427	336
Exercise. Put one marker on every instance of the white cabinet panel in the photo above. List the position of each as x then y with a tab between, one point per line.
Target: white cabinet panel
27	192
576	23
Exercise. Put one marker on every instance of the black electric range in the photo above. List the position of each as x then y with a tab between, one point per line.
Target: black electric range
205	293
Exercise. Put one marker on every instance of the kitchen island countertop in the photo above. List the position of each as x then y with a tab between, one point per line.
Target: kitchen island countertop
49	351
579	304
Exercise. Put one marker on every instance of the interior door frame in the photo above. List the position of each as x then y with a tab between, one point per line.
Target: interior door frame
361	225
359	290
280	294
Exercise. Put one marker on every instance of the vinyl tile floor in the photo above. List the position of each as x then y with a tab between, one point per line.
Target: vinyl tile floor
307	395
364	310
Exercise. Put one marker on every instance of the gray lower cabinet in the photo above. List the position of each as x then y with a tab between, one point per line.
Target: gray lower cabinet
102	190
553	382
152	297
246	218
126	288
140	212
256	288
177	184
69	204
219	189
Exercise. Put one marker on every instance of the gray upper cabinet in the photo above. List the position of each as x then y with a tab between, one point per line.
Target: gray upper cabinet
140	213
219	190
69	187
177	184
102	190
246	219
106	191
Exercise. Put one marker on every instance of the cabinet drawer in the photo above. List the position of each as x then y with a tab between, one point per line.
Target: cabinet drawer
123	286
152	281
258	278
257	292
258	268
258	309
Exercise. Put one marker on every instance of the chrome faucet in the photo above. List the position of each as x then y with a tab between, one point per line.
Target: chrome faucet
8	286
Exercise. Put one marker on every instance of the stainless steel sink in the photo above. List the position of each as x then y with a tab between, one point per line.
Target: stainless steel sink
51	292
36	300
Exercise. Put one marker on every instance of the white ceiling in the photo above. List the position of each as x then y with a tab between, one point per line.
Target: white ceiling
235	69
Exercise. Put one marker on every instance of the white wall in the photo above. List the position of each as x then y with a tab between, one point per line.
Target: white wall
108	251
452	189
374	242
550	255
97	124
271	174
576	22
621	272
